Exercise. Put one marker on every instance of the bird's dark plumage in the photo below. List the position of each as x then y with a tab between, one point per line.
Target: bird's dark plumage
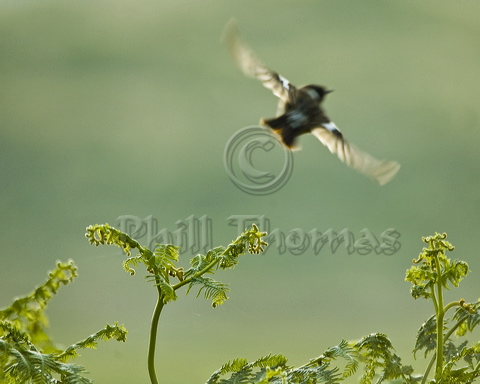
299	112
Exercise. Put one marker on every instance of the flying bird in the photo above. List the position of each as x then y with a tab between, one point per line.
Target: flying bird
299	112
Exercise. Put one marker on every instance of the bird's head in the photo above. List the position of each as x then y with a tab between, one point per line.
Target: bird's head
317	92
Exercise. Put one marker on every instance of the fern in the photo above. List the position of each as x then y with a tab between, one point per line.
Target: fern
115	331
434	272
27	354
378	353
32	366
467	317
274	369
347	352
200	262
242	372
27	313
213	290
161	266
431	274
23	362
427	336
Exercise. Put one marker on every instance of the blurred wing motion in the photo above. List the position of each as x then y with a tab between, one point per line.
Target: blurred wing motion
301	114
381	171
251	66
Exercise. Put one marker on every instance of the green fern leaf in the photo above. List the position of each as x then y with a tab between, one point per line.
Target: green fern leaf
346	351
426	336
212	290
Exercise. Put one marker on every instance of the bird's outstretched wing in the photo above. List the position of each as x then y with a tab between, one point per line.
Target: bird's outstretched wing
251	66
381	171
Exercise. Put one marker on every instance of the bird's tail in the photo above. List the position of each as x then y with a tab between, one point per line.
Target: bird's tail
281	127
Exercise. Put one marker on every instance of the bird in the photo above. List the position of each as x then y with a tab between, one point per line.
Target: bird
300	112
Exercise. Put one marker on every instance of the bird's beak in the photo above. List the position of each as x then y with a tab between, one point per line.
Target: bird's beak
329	91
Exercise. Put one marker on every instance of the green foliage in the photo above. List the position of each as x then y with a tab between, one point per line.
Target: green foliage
212	290
162	268
347	352
27	354
378	356
467	317
161	263
115	331
432	273
374	351
243	372
27	313
427	336
22	362
274	369
434	267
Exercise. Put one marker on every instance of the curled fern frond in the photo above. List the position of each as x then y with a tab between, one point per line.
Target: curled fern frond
27	313
224	258
251	239
160	263
438	243
468	315
114	331
104	234
433	266
161	266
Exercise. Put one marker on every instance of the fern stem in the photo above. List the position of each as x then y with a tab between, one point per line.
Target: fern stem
477	367
153	337
446	337
434	299
440	316
198	274
429	367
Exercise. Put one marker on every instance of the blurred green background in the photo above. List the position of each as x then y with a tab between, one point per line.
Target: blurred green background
111	108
